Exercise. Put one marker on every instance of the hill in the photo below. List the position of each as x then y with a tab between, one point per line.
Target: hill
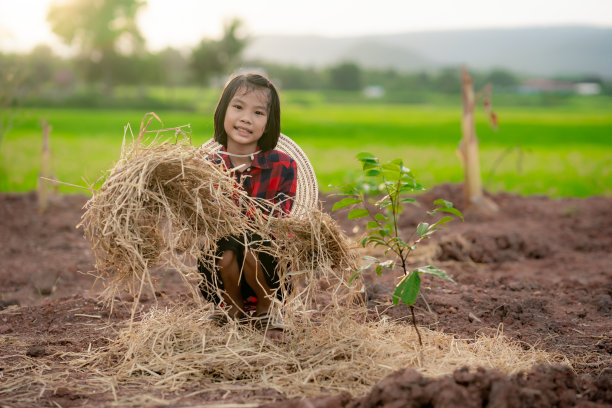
547	51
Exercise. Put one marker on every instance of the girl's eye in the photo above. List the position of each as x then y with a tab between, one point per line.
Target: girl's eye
260	113
237	107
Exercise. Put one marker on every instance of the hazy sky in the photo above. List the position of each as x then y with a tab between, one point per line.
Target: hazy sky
182	23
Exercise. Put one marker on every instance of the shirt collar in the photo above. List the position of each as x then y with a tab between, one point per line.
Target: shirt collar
261	159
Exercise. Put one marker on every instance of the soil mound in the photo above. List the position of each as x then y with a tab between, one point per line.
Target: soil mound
543	386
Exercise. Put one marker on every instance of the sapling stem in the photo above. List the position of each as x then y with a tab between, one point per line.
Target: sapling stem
415	326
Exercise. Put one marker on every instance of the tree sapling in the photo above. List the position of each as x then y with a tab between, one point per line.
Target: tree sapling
393	181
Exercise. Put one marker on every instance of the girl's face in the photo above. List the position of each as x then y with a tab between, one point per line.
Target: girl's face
246	119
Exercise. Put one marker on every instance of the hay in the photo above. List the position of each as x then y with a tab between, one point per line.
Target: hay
164	203
173	348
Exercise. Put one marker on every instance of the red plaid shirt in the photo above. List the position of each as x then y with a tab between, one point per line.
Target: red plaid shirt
272	176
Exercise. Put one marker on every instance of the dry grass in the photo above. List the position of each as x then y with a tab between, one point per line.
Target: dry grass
342	352
172	351
164	203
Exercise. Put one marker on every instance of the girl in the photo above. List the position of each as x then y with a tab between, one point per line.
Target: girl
247	125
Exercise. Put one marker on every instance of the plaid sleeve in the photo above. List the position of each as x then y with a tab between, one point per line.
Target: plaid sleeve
288	187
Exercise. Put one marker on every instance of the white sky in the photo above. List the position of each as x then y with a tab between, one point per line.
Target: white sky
183	23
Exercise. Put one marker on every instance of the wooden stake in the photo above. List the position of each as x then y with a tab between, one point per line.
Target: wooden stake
468	151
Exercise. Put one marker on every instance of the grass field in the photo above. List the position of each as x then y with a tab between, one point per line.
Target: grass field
562	151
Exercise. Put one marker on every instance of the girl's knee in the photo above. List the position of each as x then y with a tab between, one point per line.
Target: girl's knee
227	261
251	260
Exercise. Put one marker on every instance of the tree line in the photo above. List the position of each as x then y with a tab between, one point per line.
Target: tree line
111	51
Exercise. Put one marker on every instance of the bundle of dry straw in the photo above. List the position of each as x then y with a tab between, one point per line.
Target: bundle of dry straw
172	349
165	203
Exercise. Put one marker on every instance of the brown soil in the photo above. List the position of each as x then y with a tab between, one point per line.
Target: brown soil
540	270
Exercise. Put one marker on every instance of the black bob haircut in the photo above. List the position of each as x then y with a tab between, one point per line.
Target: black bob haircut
250	82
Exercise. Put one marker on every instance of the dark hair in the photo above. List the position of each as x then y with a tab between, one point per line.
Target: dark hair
250	82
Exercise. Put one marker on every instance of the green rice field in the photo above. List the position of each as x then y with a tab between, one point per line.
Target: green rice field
556	151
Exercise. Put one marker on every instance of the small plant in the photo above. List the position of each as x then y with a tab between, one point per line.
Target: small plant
393	181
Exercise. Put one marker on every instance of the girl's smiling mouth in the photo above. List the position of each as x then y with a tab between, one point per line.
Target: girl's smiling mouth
243	129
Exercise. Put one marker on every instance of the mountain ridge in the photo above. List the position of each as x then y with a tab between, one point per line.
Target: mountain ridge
535	50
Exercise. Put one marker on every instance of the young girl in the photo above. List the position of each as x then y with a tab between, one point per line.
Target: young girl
247	125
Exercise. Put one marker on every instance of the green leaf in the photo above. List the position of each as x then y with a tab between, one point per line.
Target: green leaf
447	210
422	228
382	233
447	206
358	213
443	203
406	188
380	241
345	202
391	167
435	271
380	217
391	175
402	243
387	264
366	156
372	225
372	172
366	165
379	270
407	289
354	276
442	221
408	200
398	162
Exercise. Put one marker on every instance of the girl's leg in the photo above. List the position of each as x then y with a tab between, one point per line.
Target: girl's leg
230	275
254	275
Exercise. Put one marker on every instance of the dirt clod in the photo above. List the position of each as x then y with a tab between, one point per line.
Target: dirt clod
36	351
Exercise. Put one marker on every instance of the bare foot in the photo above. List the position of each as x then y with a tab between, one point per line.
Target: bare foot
275	335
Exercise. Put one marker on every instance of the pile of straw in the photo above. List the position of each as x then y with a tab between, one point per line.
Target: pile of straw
171	349
172	352
166	203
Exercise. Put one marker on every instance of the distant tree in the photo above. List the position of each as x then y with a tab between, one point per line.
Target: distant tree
293	77
174	67
232	43
382	77
217	57
501	78
41	65
346	76
11	78
136	69
594	79
104	31
449	80
206	62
